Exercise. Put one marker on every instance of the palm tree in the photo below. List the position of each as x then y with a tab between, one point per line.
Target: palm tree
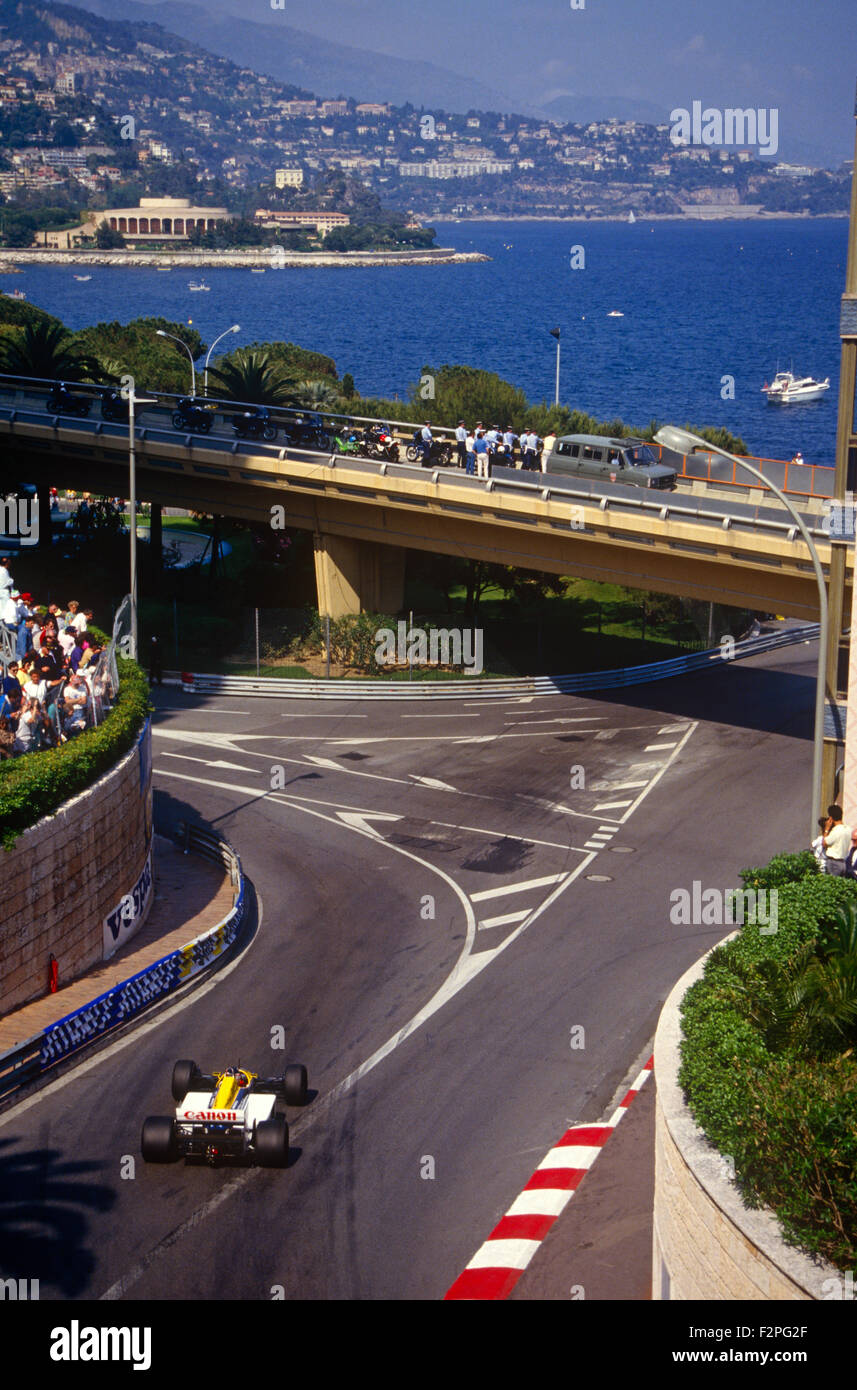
318	395
254	377
47	350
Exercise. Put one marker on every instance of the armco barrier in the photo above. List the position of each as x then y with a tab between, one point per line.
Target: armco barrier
500	688
24	1063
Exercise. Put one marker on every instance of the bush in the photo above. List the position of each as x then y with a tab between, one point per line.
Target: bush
37	784
767	1064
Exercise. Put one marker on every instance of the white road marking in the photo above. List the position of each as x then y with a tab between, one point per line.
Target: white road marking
504	1254
612	805
529	723
622	786
485	893
673	729
230	767
545	1201
440	716
505	835
362	821
658	747
434	784
504	921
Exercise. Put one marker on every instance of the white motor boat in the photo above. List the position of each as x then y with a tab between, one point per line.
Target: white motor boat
789	389
83	278
615	314
197	287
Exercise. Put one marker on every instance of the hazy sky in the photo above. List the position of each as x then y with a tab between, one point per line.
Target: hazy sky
797	55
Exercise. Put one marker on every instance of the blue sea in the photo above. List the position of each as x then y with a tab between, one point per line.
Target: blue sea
702	303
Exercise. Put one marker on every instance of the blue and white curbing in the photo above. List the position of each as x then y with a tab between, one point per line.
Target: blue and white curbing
125	1000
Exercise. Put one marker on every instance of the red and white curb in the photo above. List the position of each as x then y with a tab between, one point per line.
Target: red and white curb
498	1264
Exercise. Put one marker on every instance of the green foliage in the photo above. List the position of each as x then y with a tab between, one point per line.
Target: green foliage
155	363
107	238
45	348
768	1063
248	375
296	361
783	868
37	784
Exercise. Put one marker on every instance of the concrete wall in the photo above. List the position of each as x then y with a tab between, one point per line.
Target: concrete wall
706	1244
70	872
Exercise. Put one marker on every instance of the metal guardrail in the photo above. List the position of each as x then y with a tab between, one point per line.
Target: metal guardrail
26	1062
271	687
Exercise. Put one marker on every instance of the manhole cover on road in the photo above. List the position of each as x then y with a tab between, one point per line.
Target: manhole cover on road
599	878
622	849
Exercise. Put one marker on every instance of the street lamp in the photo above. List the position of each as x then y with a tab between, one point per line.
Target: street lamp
682	442
133	402
236	328
181	342
555	333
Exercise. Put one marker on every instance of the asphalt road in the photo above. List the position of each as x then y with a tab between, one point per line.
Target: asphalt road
441	904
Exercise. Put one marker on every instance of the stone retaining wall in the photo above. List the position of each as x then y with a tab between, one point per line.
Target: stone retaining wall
706	1243
70	872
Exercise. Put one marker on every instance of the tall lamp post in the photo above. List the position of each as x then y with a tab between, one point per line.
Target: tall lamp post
556	333
684	443
236	328
133	402
159	332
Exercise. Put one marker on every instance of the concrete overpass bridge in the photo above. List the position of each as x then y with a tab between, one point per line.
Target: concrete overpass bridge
704	541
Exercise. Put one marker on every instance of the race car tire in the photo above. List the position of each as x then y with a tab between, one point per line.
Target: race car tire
272	1142
158	1143
184	1073
295	1085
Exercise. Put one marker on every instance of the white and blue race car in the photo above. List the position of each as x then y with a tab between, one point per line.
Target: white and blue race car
229	1114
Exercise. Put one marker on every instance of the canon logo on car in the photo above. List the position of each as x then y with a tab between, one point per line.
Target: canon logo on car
210	1115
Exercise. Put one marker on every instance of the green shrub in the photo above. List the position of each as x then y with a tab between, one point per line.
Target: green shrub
37	784
767	1060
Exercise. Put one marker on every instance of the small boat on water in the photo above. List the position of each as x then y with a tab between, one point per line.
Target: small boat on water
631	218
83	277
257	270
615	314
789	389
196	287
164	269
15	294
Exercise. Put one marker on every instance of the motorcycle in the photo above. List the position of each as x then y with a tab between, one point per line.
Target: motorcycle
380	444
308	432
440	452
192	417
61	401
350	443
114	408
254	424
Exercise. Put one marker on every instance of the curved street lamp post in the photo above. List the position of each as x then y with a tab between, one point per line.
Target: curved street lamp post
159	332
683	442
236	328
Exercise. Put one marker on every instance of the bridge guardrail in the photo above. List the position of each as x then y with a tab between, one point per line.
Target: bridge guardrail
809	480
28	1061
548	486
271	687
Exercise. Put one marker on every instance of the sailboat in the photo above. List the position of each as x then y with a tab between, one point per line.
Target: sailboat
631	218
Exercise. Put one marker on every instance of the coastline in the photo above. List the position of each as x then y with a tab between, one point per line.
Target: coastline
718	214
263	259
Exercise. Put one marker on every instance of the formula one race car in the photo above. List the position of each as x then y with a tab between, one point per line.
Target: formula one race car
228	1114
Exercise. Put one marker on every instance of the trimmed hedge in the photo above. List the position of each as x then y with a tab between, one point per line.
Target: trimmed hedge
37	784
760	1074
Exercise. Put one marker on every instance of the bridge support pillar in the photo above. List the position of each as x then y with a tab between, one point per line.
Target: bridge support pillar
353	576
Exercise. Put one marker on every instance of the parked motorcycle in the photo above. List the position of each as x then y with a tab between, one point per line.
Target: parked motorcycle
255	424
192	417
114	407
308	432
440	452
61	401
348	442
380	444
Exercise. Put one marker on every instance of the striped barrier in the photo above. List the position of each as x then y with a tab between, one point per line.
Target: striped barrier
271	687
124	1001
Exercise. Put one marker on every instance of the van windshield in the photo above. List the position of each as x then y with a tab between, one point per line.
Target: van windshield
641	454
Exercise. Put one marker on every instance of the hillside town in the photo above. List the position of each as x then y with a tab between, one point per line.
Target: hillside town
96	115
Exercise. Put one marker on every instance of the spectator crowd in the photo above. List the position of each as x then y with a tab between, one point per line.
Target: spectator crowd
477	448
54	682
